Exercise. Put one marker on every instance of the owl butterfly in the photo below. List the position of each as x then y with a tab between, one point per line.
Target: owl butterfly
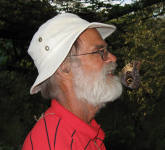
130	76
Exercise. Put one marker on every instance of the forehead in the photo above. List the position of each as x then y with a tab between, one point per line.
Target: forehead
91	39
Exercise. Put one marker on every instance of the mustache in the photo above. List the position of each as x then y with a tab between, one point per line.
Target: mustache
110	68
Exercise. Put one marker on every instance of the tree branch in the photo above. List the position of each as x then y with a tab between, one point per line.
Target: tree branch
119	11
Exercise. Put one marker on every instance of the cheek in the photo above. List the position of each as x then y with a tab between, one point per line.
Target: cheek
92	64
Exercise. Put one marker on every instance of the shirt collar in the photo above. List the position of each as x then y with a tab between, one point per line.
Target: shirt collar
92	131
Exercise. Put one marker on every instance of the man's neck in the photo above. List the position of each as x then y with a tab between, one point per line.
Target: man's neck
80	108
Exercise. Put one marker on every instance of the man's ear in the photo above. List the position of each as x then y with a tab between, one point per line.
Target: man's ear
64	69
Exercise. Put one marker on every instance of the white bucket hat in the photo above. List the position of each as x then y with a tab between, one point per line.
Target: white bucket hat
52	42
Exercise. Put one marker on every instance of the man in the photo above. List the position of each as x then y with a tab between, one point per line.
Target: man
76	72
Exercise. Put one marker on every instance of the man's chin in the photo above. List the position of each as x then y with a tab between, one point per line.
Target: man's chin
114	92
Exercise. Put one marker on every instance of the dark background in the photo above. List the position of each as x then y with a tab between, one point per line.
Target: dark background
136	121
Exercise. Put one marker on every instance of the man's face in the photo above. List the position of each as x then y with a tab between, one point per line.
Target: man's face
93	78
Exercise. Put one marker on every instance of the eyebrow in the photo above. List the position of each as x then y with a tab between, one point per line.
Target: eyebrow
100	46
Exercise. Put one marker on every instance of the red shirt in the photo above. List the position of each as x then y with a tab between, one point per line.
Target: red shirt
59	129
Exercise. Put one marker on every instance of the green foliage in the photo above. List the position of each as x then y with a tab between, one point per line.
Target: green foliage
17	108
2	147
21	18
135	121
139	37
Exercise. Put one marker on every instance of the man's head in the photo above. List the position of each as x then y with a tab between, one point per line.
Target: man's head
85	68
94	81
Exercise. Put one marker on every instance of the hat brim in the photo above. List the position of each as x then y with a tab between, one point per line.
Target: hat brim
50	67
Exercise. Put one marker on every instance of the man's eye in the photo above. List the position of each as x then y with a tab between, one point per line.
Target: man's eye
101	51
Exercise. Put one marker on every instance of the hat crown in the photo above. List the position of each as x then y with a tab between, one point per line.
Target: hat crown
51	34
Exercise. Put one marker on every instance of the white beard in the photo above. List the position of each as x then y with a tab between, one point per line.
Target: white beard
97	88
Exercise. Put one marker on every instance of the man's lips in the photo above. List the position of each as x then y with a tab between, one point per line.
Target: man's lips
110	73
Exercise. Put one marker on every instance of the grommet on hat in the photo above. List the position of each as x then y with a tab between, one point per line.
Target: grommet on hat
40	39
46	48
59	33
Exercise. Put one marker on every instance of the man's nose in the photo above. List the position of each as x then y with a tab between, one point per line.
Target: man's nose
111	58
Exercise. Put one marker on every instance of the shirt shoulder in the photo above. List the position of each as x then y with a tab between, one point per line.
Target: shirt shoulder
49	133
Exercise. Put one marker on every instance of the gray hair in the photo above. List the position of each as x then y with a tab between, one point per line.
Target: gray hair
49	89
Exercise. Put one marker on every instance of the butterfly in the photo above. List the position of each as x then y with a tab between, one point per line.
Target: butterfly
130	76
